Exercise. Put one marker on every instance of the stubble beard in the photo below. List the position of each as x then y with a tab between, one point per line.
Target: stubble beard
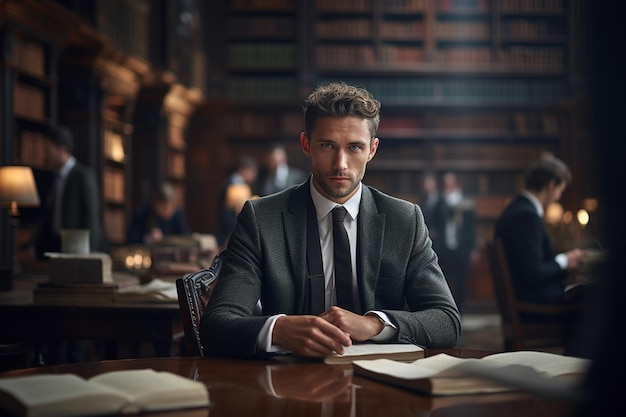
335	192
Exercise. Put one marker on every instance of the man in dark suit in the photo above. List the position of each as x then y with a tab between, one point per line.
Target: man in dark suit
537	272
456	245
280	254
276	174
73	202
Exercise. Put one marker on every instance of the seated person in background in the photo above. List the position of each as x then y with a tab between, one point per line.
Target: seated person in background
281	254
161	217
539	275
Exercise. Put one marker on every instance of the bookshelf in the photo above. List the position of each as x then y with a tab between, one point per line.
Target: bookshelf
159	147
29	90
32	92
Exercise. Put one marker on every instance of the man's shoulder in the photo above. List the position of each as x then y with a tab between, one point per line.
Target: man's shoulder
387	203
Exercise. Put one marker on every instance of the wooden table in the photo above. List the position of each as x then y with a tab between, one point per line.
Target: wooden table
271	388
156	323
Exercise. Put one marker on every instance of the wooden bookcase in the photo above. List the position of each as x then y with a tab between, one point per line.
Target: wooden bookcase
159	147
478	87
31	43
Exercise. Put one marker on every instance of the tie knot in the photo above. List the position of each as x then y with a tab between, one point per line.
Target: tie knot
339	214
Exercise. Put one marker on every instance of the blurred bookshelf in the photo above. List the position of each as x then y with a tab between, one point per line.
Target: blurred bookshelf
478	87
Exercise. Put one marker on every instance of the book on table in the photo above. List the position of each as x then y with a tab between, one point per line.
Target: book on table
117	392
396	351
443	374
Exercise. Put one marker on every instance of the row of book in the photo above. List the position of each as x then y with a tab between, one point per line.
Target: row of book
113	185
490	123
114	219
32	148
522	28
276	5
462	91
266	55
29	56
515	57
415	91
255	26
29	101
265	88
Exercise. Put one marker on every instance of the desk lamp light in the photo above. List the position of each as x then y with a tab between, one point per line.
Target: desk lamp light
17	189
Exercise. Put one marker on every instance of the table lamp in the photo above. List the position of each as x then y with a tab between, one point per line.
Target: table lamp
17	189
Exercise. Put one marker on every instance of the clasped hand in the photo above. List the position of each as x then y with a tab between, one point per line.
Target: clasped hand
323	335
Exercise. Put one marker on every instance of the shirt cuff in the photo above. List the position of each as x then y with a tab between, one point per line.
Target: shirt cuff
561	259
388	331
265	336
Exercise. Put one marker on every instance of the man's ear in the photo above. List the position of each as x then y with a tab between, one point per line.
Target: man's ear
373	149
304	144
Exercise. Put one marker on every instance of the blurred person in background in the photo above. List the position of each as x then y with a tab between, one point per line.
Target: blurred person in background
457	241
73	201
159	218
234	193
276	174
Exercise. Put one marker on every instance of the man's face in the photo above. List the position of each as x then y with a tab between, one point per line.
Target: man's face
53	156
164	209
555	191
339	149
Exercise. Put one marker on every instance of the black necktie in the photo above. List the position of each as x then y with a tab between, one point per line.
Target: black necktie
343	265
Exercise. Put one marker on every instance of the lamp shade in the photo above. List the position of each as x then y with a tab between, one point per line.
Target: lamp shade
17	187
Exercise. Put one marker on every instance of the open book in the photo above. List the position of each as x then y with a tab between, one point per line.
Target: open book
443	374
396	351
116	392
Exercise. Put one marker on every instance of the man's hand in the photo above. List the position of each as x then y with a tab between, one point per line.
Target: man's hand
360	328
309	336
575	258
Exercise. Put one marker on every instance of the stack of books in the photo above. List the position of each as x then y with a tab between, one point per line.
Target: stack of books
82	278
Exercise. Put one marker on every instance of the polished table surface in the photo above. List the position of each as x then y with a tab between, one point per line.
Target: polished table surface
279	388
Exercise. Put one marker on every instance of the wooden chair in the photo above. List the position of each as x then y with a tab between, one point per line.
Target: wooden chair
194	291
518	335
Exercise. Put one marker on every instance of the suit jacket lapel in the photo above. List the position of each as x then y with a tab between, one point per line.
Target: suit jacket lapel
371	227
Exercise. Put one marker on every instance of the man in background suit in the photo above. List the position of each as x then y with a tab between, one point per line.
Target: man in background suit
281	253
456	243
537	272
276	174
73	202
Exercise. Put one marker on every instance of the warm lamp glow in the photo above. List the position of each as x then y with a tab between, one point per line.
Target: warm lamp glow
17	188
237	195
583	217
567	217
554	213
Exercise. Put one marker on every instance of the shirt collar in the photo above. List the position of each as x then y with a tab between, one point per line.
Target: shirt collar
535	201
323	205
65	169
